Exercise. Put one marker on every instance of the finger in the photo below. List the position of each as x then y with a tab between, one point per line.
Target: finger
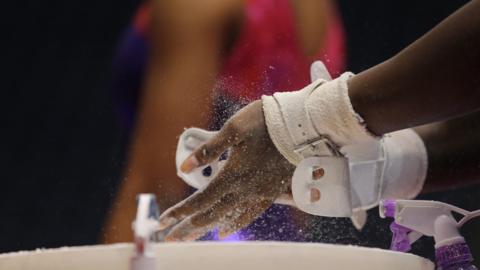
249	212
200	200
286	199
199	224
185	231
212	149
218	211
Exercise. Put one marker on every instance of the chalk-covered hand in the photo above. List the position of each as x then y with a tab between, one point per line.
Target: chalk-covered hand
254	176
267	139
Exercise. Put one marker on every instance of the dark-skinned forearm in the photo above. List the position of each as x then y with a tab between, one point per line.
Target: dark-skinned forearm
436	77
453	148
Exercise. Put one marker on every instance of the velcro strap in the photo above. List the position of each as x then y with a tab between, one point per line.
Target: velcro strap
307	142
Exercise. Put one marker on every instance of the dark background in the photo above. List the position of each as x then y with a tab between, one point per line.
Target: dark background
61	146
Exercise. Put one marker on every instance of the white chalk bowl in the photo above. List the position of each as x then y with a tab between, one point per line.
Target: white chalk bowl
218	256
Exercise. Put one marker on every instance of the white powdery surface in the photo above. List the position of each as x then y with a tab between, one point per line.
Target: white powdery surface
218	256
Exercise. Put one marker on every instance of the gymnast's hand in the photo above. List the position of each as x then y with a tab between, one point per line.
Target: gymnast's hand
390	96
254	176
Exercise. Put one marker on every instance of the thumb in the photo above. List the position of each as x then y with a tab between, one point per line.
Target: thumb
211	150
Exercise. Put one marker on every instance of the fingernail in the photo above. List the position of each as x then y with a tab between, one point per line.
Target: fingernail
170	238
166	222
192	237
183	235
223	234
189	164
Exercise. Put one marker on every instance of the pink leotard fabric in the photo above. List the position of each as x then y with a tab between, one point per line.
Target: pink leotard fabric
268	57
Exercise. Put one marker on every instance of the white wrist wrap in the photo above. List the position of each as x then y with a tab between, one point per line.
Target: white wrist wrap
406	165
315	121
394	168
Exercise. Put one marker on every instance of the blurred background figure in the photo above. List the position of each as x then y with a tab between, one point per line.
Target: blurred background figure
184	63
64	151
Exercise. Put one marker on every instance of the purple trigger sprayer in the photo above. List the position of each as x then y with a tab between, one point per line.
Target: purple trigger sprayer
415	218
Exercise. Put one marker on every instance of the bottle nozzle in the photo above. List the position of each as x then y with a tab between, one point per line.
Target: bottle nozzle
387	208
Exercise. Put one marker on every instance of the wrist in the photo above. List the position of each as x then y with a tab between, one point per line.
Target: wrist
315	121
333	114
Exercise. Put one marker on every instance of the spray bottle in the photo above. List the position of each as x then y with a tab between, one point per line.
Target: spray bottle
145	227
415	218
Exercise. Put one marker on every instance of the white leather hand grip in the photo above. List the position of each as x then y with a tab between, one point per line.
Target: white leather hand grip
334	185
190	140
327	195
